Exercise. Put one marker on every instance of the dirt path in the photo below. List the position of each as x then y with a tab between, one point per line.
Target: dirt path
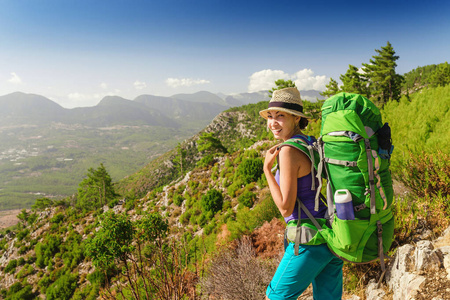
8	218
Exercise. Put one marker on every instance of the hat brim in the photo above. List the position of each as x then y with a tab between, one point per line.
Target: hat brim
264	113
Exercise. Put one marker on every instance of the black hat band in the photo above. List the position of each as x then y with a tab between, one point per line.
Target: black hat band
286	105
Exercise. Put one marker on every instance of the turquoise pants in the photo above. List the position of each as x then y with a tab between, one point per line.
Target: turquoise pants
314	264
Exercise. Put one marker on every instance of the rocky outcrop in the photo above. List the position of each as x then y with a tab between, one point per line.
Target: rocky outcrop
420	271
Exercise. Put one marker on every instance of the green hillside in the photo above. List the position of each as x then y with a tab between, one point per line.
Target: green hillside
179	216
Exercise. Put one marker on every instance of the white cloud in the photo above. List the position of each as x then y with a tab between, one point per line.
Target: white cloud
104	85
139	85
265	80
15	79
303	79
177	82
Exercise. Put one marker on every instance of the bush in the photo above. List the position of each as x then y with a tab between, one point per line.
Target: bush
212	201
427	174
11	267
20	292
58	218
247	198
62	288
234	187
250	170
238	274
178	200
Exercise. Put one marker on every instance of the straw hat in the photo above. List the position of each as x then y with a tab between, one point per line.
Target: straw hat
287	100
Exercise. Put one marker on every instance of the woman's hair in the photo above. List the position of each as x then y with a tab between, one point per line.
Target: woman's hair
303	123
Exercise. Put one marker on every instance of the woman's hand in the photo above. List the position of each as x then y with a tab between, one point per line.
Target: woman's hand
271	156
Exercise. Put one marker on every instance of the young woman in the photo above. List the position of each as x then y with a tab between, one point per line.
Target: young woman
314	264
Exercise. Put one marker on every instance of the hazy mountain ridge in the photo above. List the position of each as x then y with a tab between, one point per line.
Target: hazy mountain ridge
418	271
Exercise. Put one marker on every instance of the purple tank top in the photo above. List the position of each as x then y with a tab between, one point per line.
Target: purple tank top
307	196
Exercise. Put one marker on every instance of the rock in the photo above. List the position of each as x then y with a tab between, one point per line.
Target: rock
426	258
447	265
373	292
400	277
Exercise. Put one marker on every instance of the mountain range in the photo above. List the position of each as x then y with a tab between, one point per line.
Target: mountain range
46	149
19	108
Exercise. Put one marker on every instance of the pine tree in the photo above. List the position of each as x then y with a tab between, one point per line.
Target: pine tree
384	83
441	76
96	190
281	84
332	88
354	82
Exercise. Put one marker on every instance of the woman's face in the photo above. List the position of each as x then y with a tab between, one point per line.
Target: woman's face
282	124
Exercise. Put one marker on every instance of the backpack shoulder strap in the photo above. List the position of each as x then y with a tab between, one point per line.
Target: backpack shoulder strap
305	145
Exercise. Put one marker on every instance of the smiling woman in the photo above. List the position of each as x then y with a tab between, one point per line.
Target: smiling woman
294	187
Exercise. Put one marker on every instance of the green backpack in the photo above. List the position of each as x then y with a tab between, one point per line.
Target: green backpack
352	153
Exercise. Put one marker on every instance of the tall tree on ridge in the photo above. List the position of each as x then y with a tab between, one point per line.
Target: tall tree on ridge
354	82
385	84
332	89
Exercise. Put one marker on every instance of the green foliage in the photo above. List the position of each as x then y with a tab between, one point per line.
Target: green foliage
210	144
62	288
384	83
332	89
22	234
419	77
247	199
42	203
250	170
11	266
58	218
46	250
281	84
354	82
441	76
421	139
112	241
18	291
247	220
212	201
152	227
178	200
96	190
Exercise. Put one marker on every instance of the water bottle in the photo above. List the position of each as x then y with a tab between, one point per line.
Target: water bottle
344	205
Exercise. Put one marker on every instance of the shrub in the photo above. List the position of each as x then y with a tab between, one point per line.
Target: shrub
247	198
212	201
238	274
62	288
11	267
250	170
427	174
58	218
20	292
178	200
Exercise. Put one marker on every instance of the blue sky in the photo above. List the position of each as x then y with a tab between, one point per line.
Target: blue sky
76	52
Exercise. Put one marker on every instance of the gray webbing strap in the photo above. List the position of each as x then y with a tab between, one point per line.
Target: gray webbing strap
371	177
319	145
380	249
311	155
341	162
311	217
379	187
297	232
298	229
